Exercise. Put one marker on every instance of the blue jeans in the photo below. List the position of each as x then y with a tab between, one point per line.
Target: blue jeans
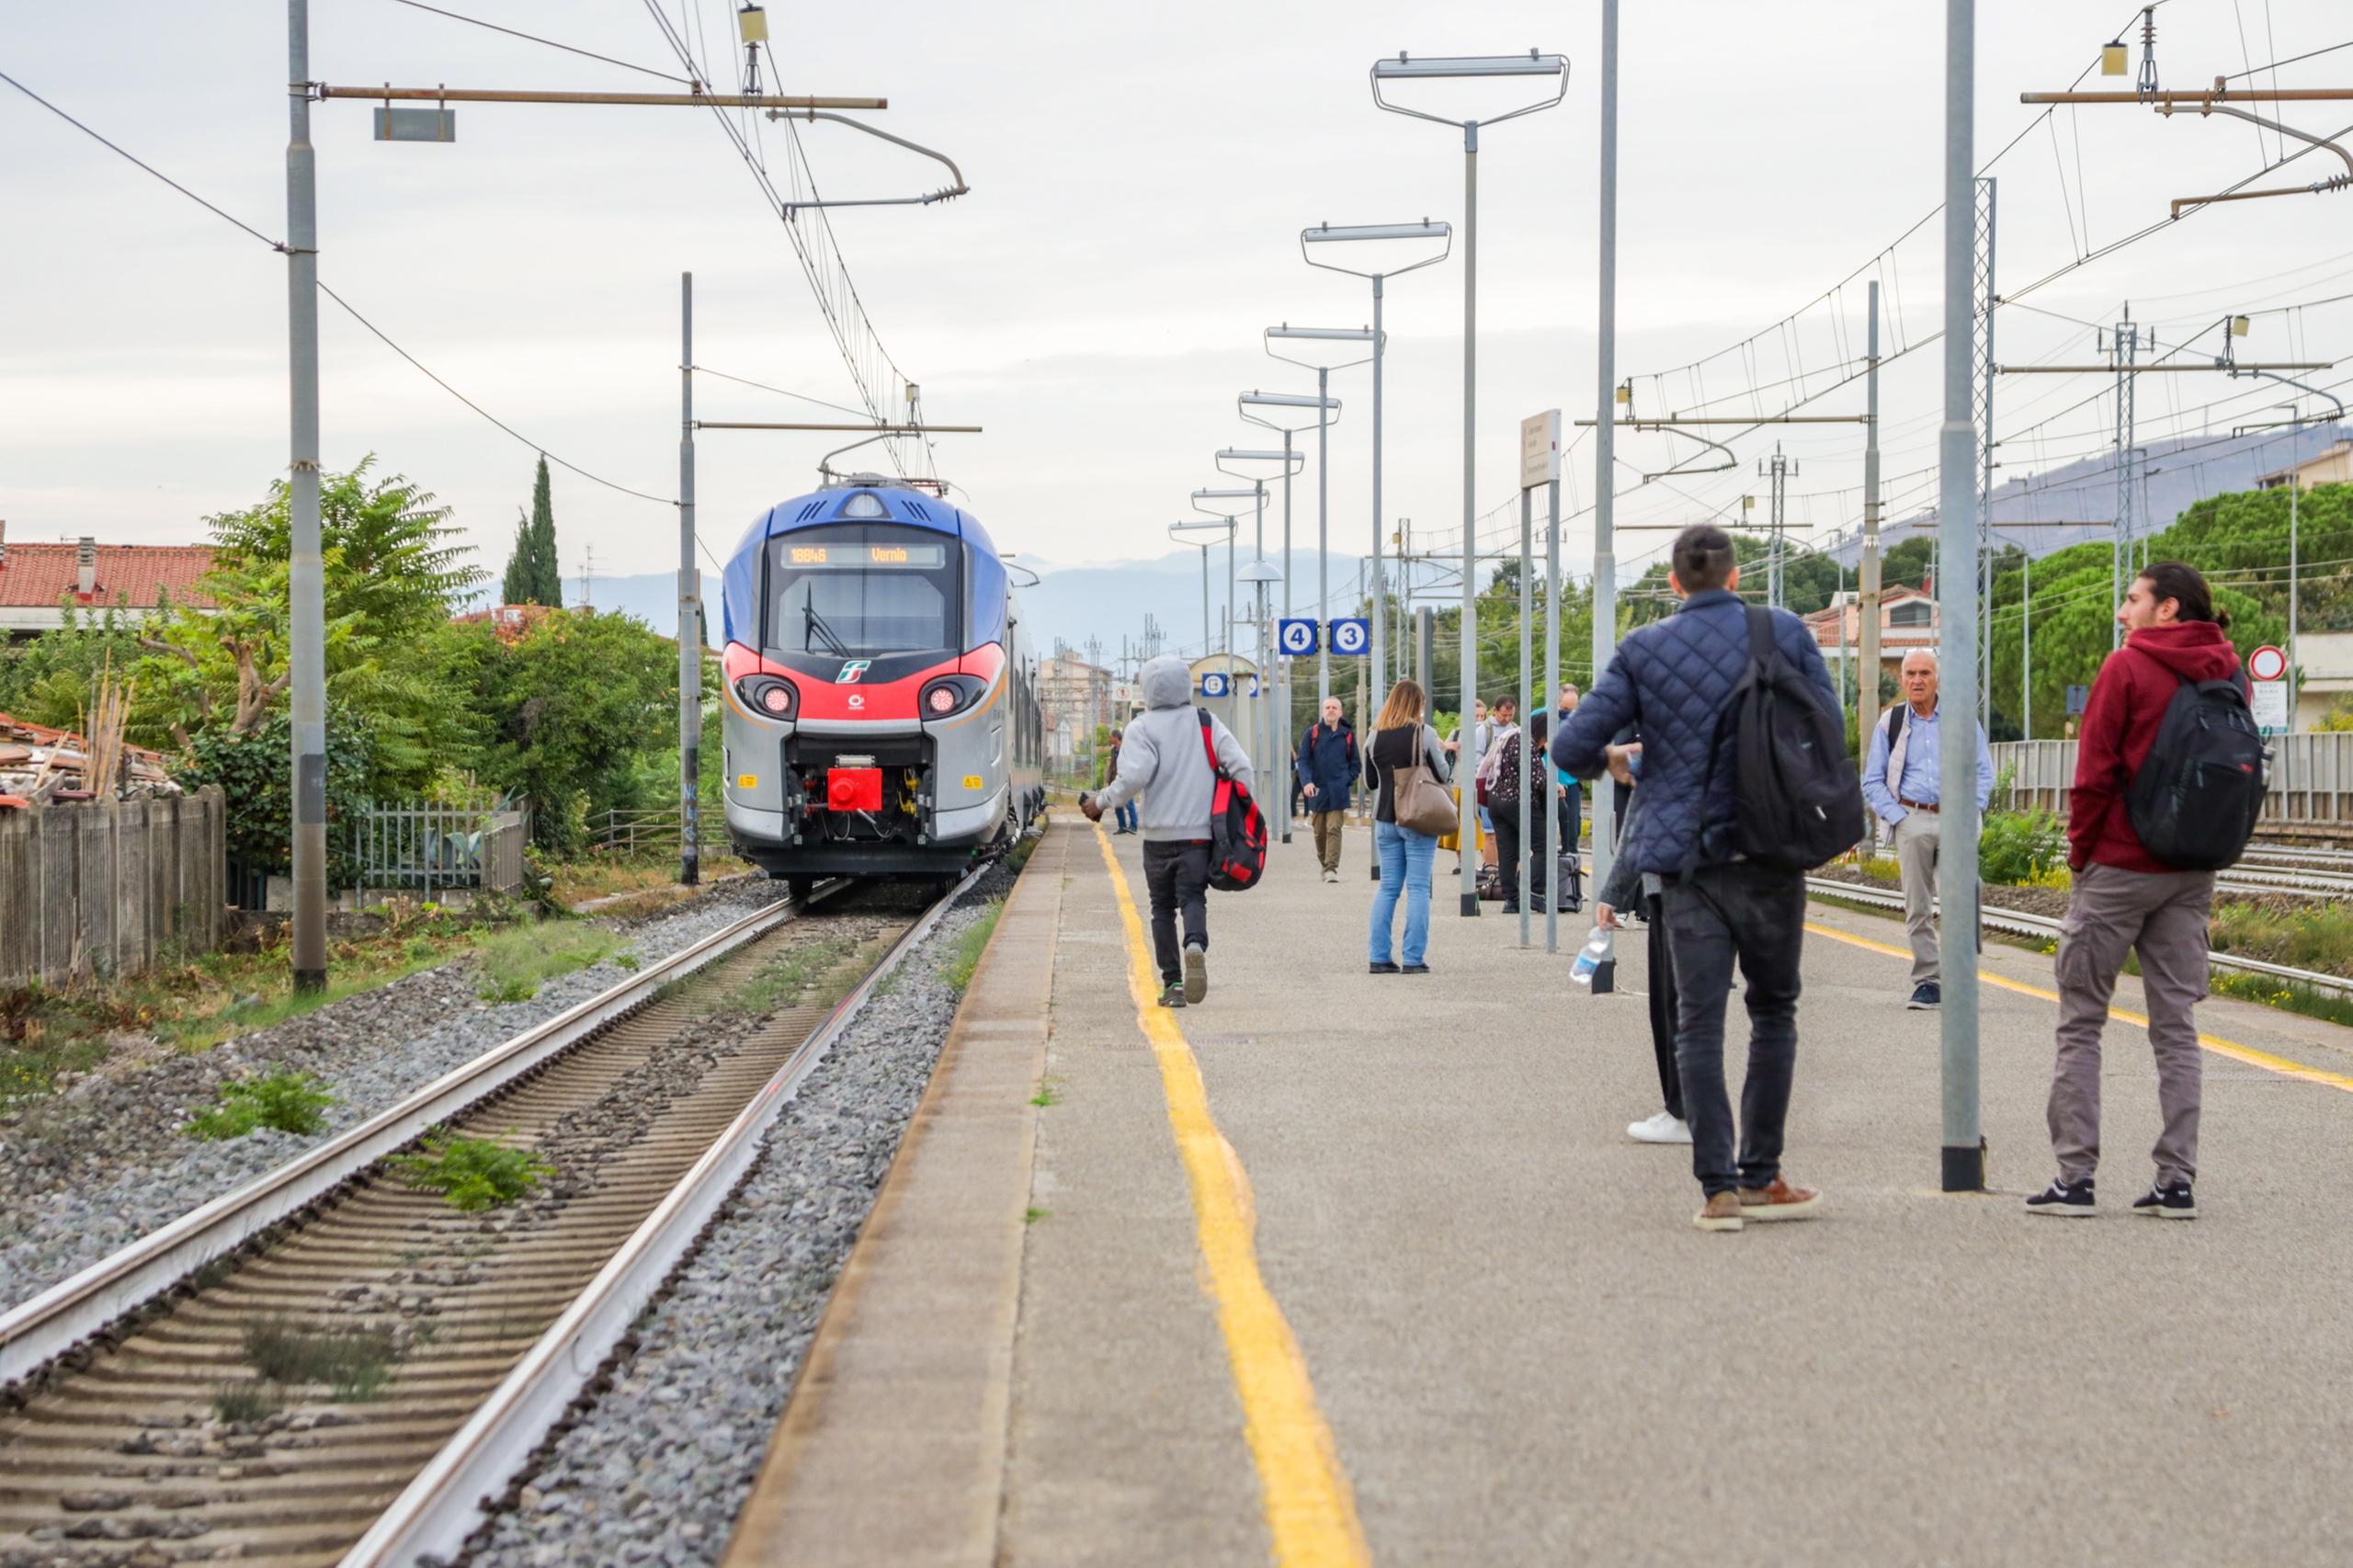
1405	858
1124	818
1715	916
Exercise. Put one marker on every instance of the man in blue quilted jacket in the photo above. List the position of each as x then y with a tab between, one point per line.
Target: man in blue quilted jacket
1674	679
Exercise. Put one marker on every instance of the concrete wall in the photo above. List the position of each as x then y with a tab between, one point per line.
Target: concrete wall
104	887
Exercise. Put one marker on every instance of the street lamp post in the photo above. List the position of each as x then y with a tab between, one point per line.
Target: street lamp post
1256	495
1274	676
1323	469
1441	68
1181	531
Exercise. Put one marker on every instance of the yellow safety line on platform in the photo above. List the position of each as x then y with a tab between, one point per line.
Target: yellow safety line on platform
1309	1509
2215	1043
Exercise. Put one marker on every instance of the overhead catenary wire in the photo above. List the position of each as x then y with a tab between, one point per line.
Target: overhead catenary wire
551	43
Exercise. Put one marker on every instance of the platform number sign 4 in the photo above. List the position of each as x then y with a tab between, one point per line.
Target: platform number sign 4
1296	638
1351	639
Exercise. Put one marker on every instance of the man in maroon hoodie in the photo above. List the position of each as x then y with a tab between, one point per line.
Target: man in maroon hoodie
2125	898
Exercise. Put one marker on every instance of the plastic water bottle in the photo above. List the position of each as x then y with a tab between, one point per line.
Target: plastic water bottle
1596	948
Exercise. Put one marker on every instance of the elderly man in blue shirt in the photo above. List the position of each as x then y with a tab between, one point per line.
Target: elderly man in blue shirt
1901	780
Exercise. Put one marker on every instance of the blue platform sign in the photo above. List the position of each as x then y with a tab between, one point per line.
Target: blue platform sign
1295	638
1351	638
1212	683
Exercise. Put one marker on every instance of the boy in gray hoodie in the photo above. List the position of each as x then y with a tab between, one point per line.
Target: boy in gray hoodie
1164	761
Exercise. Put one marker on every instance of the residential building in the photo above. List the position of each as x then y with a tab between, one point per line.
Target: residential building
37	580
2334	466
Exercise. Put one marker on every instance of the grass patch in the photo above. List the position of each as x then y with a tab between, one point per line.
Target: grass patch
606	876
472	1174
1047	1094
1032	1214
2319	937
2332	1006
244	1404
974	939
516	963
355	1363
46	1035
820	971
290	1102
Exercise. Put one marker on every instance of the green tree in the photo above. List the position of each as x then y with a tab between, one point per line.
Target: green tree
48	679
569	710
534	574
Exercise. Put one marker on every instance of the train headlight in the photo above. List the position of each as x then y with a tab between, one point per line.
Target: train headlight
951	694
769	695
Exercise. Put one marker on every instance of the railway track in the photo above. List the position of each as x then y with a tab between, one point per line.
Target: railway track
2017	923
330	1367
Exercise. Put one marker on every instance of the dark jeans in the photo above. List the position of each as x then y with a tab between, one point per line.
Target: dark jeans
1715	914
1507	853
1662	978
1176	874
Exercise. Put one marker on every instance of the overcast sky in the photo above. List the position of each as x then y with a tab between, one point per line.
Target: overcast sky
1139	176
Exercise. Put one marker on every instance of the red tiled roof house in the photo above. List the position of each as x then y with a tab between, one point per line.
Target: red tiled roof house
37	579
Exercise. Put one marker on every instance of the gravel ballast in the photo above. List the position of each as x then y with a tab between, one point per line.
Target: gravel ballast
99	1163
656	1471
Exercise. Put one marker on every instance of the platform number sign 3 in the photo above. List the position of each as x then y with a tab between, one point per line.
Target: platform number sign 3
1351	638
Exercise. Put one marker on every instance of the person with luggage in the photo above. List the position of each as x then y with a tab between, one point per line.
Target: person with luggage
1629	889
1125	820
2168	781
1165	758
1327	771
1503	795
1902	782
1405	758
1700	683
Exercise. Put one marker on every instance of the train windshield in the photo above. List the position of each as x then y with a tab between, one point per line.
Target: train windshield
855	591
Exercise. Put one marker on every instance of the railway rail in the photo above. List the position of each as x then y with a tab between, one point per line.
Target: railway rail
459	1339
2018	923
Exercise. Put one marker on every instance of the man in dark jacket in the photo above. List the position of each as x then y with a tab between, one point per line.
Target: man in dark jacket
1328	770
1676	678
2125	899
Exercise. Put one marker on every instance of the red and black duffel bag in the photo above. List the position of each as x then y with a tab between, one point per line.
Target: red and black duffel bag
1237	828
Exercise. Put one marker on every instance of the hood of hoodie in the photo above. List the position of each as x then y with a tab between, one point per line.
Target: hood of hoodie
1167	682
2189	650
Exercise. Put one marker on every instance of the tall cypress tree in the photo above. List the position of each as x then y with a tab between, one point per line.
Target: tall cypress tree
547	573
514	588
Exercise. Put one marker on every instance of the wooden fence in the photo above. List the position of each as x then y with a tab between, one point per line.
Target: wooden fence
105	887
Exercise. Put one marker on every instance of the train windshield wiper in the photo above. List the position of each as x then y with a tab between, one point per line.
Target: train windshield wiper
813	625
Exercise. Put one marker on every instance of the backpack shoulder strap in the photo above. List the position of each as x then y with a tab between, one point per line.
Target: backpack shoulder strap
1208	742
1895	722
1760	633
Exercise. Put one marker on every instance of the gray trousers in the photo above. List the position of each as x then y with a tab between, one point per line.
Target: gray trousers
2163	916
1915	858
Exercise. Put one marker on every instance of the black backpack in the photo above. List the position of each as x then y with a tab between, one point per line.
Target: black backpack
1797	803
2194	801
1237	828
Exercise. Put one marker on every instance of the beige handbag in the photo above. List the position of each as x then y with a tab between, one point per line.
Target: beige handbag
1422	804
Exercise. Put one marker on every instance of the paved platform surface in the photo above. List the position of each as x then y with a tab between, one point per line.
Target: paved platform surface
1345	1267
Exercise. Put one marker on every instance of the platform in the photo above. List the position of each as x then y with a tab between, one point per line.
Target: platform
1337	1268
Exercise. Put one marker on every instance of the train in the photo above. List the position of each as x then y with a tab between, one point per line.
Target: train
881	714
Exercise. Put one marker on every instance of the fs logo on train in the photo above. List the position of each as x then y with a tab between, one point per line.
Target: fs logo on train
852	672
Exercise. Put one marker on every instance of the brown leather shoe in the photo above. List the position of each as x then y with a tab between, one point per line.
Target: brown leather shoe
1723	1212
1779	1201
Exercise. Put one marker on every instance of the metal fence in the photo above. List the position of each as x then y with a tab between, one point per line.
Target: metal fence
627	835
432	845
2311	783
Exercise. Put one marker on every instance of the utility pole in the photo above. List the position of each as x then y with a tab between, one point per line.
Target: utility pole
1963	1141
2123	349
689	605
1867	677
306	582
1779	468
1604	434
1986	300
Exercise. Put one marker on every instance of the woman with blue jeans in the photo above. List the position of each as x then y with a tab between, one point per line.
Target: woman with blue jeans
1400	740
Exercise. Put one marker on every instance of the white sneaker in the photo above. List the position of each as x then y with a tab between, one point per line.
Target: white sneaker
1331	876
1659	1129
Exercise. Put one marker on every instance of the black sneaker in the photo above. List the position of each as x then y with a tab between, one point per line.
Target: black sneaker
2066	1199
2168	1202
1926	997
1389	968
1415	969
1172	994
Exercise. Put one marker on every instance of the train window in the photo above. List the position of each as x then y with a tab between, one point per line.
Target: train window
855	591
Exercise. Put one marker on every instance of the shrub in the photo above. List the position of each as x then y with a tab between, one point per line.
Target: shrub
290	1102
471	1173
356	1362
2015	847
